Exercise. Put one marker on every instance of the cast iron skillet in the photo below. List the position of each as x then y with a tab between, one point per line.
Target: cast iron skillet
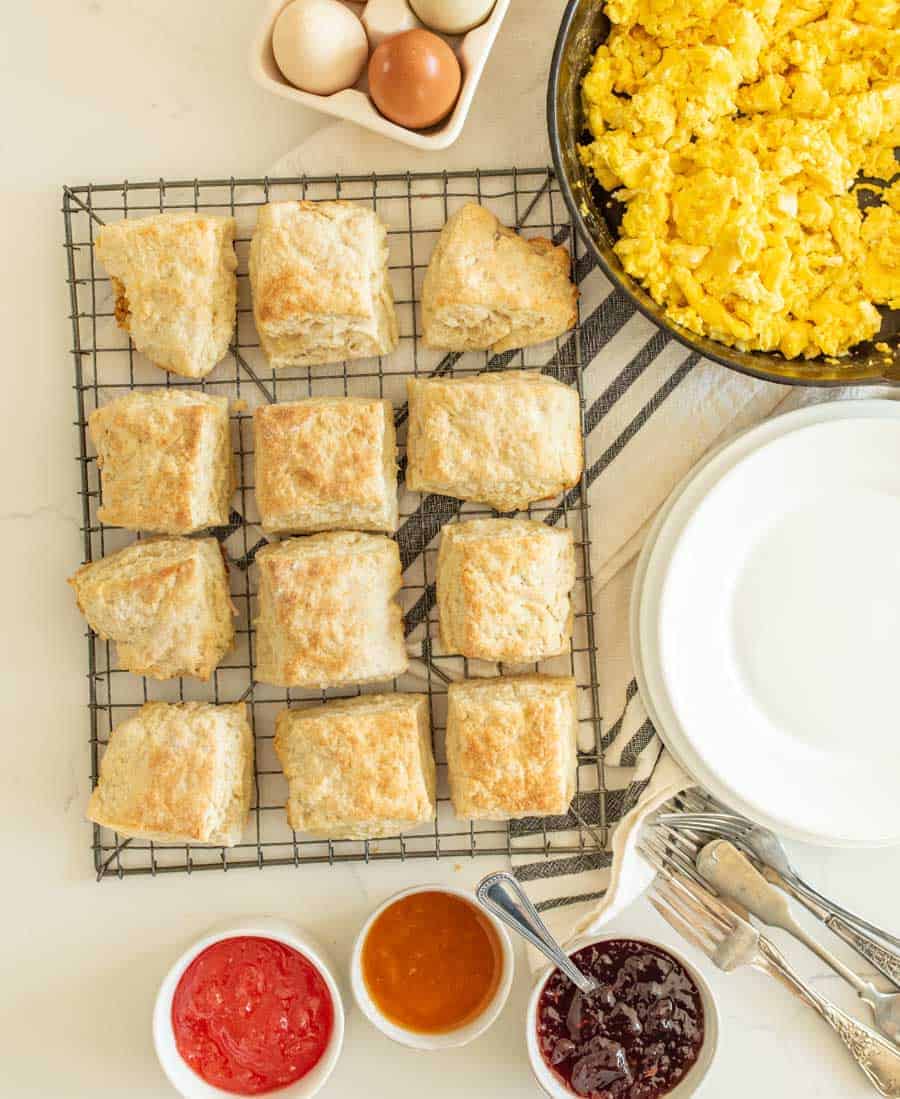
596	215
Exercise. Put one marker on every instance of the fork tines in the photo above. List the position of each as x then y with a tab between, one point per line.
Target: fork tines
680	895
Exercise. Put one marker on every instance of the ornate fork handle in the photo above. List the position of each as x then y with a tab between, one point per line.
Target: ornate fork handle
878	1058
876	946
885	960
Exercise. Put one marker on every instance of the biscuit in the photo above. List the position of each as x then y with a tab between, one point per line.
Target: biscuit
328	615
511	746
358	768
503	589
175	284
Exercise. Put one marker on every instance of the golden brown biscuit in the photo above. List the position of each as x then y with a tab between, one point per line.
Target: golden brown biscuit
511	746
175	284
358	768
327	612
166	461
319	275
487	288
327	463
505	439
503	589
164	601
177	773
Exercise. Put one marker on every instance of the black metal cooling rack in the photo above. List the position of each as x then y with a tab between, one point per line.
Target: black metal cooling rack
415	207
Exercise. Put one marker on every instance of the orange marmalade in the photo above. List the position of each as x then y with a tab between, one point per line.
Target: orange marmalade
431	962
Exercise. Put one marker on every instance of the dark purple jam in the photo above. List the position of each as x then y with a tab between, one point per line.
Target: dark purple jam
635	1037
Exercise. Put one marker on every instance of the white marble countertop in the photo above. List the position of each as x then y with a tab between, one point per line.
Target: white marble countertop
101	90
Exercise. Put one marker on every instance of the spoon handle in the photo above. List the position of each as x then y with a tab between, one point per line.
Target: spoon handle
502	896
730	872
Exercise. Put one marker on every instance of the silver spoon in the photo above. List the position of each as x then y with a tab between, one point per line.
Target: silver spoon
504	898
733	875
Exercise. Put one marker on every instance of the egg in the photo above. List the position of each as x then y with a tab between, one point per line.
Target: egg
385	18
414	79
319	45
452	16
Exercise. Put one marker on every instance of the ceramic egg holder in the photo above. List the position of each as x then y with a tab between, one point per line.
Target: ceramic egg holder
382	18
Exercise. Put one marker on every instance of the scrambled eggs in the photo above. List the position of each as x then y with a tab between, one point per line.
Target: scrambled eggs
738	133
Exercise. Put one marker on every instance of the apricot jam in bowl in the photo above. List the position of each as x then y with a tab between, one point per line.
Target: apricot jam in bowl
431	969
649	1031
249	1009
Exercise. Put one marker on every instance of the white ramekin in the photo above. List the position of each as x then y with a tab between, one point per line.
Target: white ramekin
552	1085
183	1078
462	1035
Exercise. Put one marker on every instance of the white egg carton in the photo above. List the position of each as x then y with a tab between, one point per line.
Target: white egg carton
383	18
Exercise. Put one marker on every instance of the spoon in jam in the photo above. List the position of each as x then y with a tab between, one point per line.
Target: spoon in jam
502	896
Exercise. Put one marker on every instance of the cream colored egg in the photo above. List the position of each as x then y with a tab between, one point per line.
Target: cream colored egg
452	16
320	46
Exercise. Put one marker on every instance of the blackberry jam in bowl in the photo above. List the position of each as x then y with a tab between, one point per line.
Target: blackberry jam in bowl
649	1031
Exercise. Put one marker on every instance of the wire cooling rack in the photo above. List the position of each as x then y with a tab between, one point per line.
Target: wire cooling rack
415	207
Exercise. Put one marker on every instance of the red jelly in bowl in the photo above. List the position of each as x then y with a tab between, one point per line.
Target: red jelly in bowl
635	1037
251	1015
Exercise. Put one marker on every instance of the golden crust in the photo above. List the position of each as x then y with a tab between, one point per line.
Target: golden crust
327	463
504	439
487	288
358	768
328	616
319	276
177	773
164	601
503	589
511	746
166	461
176	289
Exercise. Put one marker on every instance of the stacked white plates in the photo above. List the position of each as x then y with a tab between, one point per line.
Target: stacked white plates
766	624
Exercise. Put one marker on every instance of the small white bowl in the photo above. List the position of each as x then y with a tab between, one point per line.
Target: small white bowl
451	1038
354	103
551	1084
183	1078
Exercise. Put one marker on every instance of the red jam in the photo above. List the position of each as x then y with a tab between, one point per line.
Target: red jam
635	1037
251	1015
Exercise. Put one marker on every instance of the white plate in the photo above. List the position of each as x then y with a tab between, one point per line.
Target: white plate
816	763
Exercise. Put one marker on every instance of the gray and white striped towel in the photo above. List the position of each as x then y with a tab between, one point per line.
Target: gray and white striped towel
653	410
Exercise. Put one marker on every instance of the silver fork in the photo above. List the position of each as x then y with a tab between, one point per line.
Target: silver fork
731	942
702	814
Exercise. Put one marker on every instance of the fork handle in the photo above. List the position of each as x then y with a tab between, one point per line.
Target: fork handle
878	1058
878	947
886	961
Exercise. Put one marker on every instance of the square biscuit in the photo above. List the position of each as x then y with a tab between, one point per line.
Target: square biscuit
177	773
358	768
328	615
165	461
319	277
504	439
503	589
175	284
512	746
326	463
164	601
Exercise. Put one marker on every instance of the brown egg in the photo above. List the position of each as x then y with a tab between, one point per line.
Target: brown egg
414	79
